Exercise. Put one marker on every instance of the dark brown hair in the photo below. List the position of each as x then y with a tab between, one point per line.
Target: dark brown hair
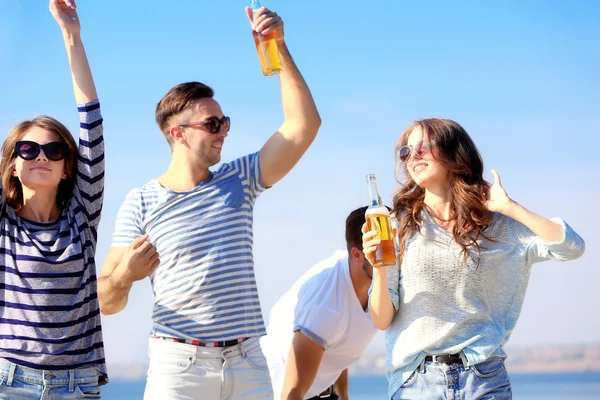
177	100
11	184
457	152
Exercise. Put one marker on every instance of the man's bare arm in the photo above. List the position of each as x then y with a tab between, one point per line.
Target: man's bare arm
122	267
341	385
302	367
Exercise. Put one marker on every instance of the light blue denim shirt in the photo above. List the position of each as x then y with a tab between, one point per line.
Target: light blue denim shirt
446	305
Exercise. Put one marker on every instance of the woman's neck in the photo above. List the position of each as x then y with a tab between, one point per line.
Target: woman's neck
437	202
39	206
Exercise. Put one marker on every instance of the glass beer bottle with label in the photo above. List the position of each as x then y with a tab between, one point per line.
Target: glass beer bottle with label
266	46
378	219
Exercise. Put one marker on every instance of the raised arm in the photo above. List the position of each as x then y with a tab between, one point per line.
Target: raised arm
301	119
65	14
90	165
553	241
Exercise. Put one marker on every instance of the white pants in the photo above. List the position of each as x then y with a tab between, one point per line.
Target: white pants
180	371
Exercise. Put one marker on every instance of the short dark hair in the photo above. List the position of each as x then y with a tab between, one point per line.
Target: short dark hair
177	100
354	223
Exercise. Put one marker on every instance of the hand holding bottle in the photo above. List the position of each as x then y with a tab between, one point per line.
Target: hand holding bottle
371	242
267	29
378	243
264	21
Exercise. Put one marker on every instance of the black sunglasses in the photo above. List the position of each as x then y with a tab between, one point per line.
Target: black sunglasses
212	124
54	151
420	150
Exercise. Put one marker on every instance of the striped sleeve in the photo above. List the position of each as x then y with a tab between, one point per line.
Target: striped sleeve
90	163
128	225
250	169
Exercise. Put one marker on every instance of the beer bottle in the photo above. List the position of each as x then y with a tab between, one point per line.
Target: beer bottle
378	219
266	46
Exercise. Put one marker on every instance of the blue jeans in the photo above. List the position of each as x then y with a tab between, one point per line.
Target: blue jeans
432	381
22	383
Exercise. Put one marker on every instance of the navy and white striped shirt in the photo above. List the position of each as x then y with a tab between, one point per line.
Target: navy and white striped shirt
50	318
204	286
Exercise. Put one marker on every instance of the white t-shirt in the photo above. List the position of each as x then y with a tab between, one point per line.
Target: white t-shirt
323	305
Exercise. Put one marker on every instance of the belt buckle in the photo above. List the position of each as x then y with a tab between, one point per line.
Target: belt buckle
440	359
437	359
327	393
447	359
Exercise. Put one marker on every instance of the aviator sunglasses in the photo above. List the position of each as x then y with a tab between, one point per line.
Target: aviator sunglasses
54	151
420	150
212	124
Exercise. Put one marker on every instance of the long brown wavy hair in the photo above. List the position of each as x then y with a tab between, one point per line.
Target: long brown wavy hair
11	184
457	152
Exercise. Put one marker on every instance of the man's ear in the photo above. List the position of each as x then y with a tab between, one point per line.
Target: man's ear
177	134
356	253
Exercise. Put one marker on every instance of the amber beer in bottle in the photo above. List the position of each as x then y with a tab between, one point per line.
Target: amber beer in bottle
378	219
266	46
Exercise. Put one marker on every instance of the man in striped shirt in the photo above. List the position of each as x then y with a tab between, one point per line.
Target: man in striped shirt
207	316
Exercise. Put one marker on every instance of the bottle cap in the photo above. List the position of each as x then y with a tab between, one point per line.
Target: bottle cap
255	4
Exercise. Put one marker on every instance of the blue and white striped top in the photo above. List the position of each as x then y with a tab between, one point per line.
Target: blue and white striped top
205	286
50	315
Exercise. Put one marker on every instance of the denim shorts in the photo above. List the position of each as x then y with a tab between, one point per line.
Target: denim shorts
486	380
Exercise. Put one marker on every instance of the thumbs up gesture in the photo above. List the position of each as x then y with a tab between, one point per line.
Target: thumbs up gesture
497	199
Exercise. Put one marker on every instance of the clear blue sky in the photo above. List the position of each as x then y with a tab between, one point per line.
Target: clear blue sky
521	76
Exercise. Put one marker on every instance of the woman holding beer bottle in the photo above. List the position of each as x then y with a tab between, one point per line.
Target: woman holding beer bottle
50	203
465	251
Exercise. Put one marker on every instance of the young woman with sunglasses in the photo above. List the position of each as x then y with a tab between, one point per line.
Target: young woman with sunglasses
465	251
51	199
